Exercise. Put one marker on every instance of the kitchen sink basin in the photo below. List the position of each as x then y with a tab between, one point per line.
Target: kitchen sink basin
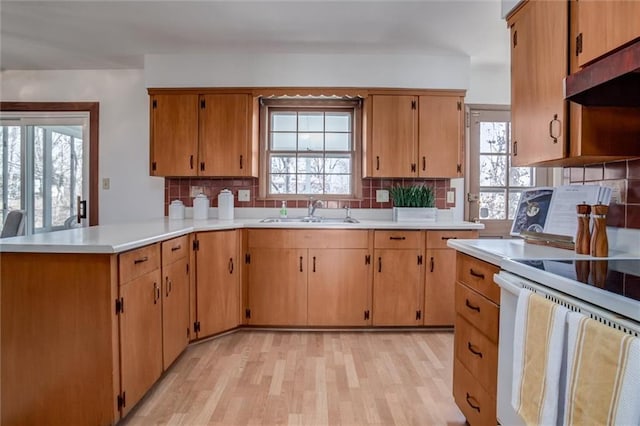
307	219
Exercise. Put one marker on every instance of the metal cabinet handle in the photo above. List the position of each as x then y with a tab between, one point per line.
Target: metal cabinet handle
202	166
449	238
141	260
432	264
476	274
176	248
470	306
191	162
155	293
241	163
231	265
475	407
377	163
473	351
515	148
314	263
379	264
424	163
300	263
166	287
551	134
398	238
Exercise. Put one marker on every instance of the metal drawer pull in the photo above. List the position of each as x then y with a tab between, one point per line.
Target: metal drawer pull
449	238
424	163
432	264
476	274
314	263
377	163
398	238
231	265
470	306
551	133
475	407
379	264
155	293
300	263
473	351
166	287
176	248
141	260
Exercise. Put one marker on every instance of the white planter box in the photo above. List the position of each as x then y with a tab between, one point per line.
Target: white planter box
406	214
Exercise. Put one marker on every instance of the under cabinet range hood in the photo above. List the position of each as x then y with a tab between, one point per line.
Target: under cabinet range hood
612	81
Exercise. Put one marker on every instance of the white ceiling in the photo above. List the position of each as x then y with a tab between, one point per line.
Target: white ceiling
117	34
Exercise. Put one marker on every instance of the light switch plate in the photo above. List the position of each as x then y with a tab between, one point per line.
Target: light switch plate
195	190
244	195
382	196
106	183
451	197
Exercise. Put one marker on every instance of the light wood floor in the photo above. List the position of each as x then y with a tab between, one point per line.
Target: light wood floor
308	378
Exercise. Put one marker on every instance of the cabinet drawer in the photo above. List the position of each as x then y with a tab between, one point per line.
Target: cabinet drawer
477	353
399	239
476	404
478	275
438	239
478	310
135	263
175	249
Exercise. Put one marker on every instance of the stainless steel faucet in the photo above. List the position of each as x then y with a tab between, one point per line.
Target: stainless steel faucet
313	205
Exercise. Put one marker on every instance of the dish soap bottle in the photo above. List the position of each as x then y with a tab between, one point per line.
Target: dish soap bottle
283	209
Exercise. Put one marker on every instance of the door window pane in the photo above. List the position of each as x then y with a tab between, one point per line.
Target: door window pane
493	137
493	170
492	204
10	178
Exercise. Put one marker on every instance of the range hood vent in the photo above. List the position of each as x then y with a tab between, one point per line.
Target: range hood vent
611	81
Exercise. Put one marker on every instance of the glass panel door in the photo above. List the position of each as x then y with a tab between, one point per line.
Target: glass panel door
51	154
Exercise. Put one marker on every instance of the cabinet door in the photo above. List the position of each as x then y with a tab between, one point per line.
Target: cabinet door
174	135
605	26
398	286
217	281
175	310
394	135
439	287
338	292
224	135
440	136
140	336
539	34
277	293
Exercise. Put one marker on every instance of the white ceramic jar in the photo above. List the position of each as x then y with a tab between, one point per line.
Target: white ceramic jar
200	207
225	205
176	210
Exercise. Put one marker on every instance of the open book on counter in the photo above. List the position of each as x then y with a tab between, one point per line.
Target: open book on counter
553	210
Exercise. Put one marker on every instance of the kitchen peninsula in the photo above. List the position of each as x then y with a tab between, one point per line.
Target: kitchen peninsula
91	317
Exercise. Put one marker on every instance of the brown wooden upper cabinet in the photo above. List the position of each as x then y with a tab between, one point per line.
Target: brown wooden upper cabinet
604	26
539	40
203	134
414	135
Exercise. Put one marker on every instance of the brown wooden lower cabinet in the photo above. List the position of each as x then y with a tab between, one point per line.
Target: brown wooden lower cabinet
217	282
475	367
439	287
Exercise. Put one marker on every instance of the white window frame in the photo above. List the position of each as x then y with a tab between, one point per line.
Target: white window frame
311	105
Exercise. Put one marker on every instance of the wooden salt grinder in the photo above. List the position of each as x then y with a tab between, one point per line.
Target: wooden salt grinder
583	236
599	241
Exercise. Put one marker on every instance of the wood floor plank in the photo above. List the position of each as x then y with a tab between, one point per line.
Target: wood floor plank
307	378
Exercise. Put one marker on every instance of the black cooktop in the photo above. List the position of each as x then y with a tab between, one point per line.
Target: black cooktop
617	276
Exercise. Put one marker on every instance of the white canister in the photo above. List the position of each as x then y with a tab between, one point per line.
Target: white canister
176	210
225	205
200	207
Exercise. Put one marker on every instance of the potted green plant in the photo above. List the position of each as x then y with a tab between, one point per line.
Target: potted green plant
415	202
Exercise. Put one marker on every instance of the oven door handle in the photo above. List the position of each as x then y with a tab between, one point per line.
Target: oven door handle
505	282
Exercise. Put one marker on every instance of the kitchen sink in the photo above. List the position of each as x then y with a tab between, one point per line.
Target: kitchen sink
307	219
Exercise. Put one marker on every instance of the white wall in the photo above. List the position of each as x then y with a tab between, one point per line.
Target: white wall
324	70
124	132
124	115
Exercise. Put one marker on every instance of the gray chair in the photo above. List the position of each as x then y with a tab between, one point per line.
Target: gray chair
13	224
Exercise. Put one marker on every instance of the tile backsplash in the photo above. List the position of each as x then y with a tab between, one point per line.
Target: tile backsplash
180	189
624	179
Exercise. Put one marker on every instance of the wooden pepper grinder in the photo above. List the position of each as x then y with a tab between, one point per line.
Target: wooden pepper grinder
599	241
583	236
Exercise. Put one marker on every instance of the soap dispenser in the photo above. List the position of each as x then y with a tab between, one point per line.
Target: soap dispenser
283	209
